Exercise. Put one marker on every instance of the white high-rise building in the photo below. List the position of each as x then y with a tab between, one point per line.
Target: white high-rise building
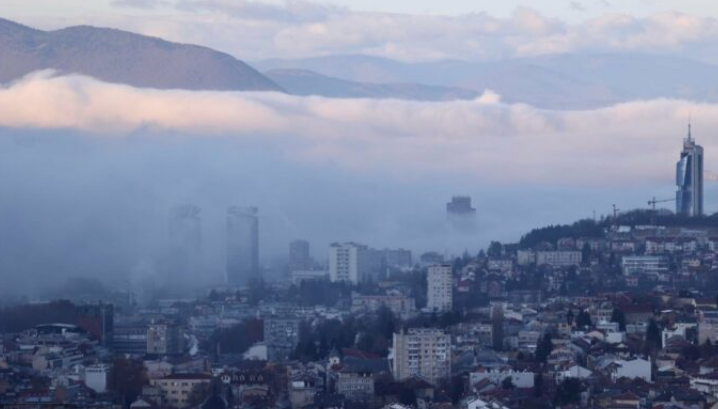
348	262
439	288
421	352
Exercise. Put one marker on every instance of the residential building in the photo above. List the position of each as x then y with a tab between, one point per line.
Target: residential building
281	336
350	262
558	258
707	326
520	379
400	305
397	258
634	369
130	338
421	352
178	388
356	377
309	275
96	377
164	339
299	256
439	288
648	265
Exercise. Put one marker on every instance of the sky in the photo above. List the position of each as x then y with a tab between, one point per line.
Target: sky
571	10
95	166
402	30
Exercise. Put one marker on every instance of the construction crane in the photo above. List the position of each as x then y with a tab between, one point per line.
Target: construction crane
655	201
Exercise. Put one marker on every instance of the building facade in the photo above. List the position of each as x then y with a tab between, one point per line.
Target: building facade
351	262
558	258
439	288
649	265
97	320
164	339
299	256
242	245
689	178
423	353
185	244
281	335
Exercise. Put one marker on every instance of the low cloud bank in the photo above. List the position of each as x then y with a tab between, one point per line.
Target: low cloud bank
484	140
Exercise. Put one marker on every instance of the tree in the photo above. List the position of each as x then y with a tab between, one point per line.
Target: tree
199	394
21	317
586	253
236	339
495	249
619	317
497	328
407	396
214	296
126	379
257	290
544	347
538	385
583	320
568	392
508	384
654	340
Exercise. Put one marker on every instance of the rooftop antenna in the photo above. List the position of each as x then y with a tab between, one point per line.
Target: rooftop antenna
690	123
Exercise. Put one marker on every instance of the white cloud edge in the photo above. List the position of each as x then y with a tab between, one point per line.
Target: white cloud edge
484	138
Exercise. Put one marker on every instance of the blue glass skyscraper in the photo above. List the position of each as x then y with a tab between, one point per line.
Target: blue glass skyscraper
689	178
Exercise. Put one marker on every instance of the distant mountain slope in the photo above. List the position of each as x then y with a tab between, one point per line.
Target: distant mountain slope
557	81
125	58
304	82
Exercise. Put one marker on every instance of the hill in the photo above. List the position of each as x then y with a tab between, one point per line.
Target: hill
125	58
305	82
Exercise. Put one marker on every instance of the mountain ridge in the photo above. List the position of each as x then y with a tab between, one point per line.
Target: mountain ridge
124	57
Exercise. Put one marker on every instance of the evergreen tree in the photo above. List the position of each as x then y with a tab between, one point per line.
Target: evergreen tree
538	385
495	249
654	340
586	253
568	392
583	320
619	317
544	347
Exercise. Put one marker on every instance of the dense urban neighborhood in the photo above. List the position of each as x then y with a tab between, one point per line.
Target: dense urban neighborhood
616	313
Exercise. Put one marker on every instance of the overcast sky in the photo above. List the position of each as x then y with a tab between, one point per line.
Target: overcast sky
416	30
572	10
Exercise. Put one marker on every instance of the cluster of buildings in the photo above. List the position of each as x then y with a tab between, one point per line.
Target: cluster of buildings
624	318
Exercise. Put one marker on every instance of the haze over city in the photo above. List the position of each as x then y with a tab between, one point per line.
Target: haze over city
196	190
90	160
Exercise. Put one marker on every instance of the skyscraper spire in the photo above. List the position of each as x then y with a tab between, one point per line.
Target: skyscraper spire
690	122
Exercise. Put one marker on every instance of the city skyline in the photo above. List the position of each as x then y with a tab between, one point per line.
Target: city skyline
334	204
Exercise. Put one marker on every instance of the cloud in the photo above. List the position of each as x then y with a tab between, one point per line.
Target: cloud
483	139
254	30
141	4
291	11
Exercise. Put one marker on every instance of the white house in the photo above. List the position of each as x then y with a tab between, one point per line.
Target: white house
633	369
519	379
